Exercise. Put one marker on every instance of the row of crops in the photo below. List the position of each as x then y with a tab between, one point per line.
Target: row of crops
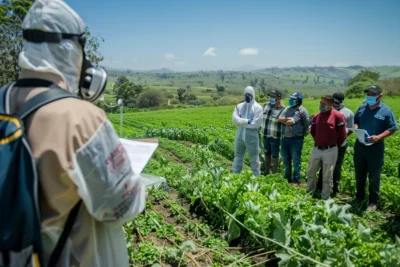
266	212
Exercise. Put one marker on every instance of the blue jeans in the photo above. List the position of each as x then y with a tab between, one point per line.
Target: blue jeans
271	146
291	151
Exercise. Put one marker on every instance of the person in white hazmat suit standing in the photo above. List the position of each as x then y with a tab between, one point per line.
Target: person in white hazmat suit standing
248	115
79	156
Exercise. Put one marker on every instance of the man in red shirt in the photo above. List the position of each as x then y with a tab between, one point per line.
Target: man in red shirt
328	128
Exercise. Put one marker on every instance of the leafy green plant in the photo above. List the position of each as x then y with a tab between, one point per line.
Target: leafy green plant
145	253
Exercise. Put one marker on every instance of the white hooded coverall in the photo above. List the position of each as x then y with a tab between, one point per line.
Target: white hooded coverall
78	153
247	137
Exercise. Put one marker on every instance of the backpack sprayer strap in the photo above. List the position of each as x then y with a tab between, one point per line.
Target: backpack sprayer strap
42	98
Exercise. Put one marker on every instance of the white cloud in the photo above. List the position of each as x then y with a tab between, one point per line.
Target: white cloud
210	52
169	57
249	51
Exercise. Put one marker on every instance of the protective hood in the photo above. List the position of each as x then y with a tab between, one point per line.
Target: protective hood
250	90
64	58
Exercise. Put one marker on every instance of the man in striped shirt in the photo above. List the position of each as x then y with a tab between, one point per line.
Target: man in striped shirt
271	129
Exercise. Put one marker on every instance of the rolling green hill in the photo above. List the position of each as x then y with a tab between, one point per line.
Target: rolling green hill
311	81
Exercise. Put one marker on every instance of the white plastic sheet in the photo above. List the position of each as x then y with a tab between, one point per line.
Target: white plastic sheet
362	136
140	152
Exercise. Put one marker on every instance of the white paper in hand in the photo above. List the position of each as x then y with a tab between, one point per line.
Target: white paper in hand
139	153
362	136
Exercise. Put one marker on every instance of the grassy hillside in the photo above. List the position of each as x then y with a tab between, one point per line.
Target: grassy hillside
321	80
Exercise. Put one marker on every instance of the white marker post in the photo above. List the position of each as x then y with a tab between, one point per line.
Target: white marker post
119	103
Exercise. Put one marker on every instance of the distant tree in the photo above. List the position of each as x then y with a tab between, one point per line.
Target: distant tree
120	80
391	86
357	84
331	82
262	86
188	86
190	97
243	77
137	89
364	76
220	89
222	77
125	91
181	94
150	98
356	89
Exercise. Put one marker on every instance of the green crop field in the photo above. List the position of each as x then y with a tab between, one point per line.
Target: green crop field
214	218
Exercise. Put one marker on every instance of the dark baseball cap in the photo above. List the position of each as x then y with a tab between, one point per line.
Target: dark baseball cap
275	93
338	97
374	89
297	96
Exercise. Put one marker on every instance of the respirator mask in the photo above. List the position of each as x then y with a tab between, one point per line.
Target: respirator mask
93	80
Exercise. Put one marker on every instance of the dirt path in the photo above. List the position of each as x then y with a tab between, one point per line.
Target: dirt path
173	157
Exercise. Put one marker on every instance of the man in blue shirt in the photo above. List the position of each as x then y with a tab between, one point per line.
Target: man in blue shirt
378	120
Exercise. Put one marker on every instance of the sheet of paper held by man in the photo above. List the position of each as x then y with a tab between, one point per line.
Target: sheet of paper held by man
139	152
362	136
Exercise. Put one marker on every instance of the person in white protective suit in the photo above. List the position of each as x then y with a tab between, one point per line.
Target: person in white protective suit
248	115
78	153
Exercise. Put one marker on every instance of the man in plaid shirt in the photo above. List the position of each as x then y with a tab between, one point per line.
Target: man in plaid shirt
271	129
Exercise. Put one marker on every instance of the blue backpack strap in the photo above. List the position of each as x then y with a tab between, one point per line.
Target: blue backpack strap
3	93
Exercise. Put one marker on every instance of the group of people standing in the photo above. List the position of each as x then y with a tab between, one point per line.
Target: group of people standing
284	128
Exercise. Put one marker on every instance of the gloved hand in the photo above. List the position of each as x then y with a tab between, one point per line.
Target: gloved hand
249	121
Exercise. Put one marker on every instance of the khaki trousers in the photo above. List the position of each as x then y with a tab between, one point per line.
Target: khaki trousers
328	159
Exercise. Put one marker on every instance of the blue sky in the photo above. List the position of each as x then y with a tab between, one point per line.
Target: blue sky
209	35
